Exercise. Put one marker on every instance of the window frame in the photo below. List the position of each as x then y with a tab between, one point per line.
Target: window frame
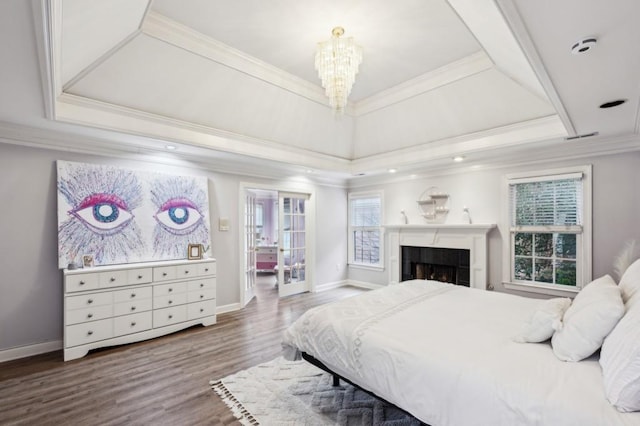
582	232
351	229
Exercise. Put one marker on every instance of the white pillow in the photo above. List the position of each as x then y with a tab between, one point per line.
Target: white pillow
630	281
592	315
620	362
543	321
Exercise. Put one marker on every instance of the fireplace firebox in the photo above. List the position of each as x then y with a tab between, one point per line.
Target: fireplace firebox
434	263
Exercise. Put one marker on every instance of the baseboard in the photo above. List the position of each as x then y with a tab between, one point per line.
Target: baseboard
228	308
29	350
330	286
363	284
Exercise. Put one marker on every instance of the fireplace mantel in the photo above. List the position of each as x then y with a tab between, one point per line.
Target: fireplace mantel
472	237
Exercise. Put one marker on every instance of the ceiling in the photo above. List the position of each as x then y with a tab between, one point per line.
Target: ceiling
483	79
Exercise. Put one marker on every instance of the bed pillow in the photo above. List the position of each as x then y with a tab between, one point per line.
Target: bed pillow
590	318
620	362
630	281
543	321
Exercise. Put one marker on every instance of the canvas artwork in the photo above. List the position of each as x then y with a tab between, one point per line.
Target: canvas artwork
119	215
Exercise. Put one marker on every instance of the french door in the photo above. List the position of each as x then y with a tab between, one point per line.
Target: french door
292	243
249	246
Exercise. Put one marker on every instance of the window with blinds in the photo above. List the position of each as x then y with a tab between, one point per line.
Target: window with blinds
546	225
365	229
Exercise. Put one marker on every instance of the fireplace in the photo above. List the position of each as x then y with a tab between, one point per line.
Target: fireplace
438	264
469	241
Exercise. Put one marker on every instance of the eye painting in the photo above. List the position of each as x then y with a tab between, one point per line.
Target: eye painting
179	216
104	213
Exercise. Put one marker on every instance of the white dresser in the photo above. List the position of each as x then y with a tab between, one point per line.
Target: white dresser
118	304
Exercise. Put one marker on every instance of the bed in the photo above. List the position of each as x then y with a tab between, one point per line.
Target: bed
447	355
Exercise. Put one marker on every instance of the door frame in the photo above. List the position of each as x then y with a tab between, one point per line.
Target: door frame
310	225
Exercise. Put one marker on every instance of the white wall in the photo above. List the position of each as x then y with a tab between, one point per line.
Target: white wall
31	283
616	203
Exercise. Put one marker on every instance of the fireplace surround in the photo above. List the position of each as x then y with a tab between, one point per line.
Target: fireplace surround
450	236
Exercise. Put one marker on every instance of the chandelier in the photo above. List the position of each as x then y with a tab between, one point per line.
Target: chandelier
337	62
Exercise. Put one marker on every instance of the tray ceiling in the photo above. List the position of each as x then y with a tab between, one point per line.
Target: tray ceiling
439	78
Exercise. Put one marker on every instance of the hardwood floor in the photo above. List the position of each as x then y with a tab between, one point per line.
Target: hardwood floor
164	381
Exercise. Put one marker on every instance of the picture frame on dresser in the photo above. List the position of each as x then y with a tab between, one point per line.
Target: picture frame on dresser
87	261
194	252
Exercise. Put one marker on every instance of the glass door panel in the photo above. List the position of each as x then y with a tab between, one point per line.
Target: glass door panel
292	250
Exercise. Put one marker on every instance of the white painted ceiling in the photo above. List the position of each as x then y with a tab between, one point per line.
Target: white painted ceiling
439	77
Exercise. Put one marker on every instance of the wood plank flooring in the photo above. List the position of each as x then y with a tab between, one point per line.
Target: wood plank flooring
164	381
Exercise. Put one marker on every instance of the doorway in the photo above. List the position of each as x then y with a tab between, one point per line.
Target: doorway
277	235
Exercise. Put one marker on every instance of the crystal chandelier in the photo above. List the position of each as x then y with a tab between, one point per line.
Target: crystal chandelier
337	62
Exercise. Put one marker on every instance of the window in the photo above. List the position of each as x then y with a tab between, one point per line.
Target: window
365	229
549	229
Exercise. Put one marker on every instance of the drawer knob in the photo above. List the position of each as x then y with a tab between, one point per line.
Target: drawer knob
170	290
202	296
201	285
206	269
133	295
139	277
170	316
89	315
164	274
186	272
133	324
112	279
133	308
201	310
90	301
170	301
81	282
89	333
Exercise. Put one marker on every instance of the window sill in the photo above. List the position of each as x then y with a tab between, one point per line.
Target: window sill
366	267
542	289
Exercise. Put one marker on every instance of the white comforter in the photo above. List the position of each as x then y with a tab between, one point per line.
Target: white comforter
445	354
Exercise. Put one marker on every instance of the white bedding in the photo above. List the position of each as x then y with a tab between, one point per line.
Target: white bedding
445	354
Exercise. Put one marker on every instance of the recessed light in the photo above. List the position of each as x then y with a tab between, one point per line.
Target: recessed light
392	170
458	158
612	104
171	147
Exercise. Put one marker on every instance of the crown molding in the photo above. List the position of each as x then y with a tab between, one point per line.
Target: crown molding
500	137
528	49
462	68
169	31
84	111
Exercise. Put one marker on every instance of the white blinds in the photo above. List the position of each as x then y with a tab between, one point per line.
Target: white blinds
365	211
551	202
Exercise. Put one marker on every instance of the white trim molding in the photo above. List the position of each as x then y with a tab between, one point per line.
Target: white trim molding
30	350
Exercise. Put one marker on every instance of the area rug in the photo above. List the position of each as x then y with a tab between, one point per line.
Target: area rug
282	392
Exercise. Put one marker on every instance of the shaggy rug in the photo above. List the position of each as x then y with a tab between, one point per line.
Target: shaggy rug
282	392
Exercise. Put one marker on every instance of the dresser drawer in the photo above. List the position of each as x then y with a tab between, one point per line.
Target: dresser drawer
80	282
139	276
132	294
208	268
201	284
80	334
170	300
133	323
164	273
168	316
113	279
201	309
200	295
87	300
186	271
133	306
92	313
169	289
